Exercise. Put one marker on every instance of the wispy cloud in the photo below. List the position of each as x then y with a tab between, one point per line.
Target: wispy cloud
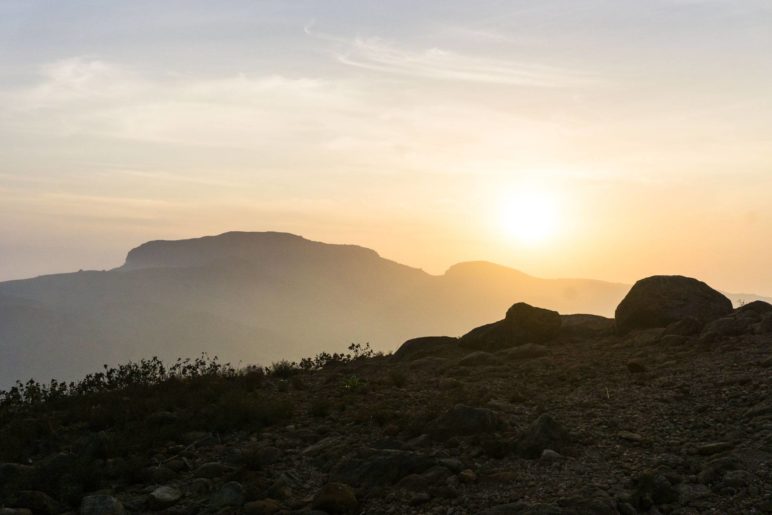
377	54
80	78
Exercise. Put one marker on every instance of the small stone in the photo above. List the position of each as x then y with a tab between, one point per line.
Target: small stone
335	498
200	486
549	456
467	476
420	498
262	507
212	470
452	464
164	496
280	490
629	436
231	494
544	433
709	449
101	505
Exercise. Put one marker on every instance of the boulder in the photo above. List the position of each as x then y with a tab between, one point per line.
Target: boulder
636	366
652	489
463	420
522	324
425	346
660	300
758	307
544	433
369	467
335	498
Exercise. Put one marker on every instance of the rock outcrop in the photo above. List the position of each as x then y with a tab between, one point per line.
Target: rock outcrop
522	324
417	348
660	300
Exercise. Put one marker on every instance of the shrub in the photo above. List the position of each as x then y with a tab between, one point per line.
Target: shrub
322	360
353	383
284	369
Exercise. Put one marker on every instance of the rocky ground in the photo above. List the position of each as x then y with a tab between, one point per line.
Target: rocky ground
659	420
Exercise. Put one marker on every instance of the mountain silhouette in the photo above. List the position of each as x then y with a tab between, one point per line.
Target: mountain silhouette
256	298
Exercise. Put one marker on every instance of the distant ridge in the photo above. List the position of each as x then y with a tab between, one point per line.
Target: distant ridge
258	297
253	246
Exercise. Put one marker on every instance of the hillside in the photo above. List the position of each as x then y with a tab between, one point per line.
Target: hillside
256	298
671	419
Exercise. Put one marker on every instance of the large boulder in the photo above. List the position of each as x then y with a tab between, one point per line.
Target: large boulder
424	346
522	324
758	307
660	300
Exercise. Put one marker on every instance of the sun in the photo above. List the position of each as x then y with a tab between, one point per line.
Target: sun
529	216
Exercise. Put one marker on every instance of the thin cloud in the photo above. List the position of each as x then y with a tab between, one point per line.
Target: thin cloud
376	54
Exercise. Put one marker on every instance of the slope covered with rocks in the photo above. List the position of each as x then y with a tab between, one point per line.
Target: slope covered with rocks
538	413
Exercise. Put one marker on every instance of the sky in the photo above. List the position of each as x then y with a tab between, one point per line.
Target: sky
611	139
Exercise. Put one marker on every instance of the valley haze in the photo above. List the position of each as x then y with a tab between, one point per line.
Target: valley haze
257	298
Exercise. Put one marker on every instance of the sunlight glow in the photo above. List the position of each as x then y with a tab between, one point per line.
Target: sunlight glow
530	216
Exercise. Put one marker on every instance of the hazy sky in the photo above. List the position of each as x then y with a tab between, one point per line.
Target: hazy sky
611	139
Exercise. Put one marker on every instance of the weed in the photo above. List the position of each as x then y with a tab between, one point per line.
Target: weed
353	383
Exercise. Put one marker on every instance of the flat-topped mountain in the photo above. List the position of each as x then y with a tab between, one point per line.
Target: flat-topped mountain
256	298
262	248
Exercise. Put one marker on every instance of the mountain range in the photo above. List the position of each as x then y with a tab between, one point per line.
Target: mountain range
257	298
